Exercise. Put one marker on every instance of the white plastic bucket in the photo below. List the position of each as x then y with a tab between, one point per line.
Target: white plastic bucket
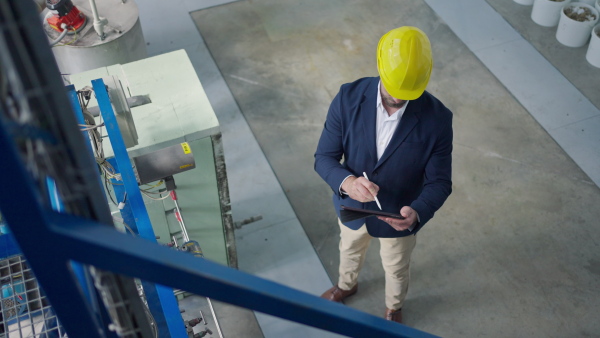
597	5
593	52
547	13
573	33
524	2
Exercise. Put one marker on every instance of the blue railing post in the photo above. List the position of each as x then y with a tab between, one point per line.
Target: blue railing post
83	275
161	300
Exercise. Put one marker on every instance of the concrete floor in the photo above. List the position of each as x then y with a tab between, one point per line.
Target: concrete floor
514	251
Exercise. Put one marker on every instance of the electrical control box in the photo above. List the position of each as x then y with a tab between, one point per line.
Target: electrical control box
164	162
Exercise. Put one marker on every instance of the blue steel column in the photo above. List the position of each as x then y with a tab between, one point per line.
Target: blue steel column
85	279
80	271
161	300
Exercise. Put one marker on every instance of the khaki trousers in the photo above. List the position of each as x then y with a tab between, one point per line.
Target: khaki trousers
395	258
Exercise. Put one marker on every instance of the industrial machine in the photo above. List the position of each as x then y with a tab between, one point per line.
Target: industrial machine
126	176
64	17
87	34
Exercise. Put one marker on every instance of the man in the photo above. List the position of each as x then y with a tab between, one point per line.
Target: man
400	137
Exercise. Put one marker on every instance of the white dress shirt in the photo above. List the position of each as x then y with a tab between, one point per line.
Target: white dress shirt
386	124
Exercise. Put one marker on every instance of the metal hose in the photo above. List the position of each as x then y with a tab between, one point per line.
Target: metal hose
61	36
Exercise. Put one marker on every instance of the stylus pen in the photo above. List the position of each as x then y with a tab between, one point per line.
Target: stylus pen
376	200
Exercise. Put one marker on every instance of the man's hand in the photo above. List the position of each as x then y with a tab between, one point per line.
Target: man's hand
402	224
360	189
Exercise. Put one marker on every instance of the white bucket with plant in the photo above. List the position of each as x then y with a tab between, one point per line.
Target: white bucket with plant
547	12
577	20
524	2
593	52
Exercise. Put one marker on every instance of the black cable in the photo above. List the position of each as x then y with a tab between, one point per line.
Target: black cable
108	191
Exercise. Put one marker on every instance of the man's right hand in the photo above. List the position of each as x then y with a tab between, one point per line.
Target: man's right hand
360	189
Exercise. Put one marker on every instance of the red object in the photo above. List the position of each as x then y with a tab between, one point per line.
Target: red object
173	195
74	20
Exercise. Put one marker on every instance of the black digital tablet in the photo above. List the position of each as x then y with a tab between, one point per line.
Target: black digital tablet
348	214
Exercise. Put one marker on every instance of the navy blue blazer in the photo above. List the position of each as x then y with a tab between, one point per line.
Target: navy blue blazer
414	170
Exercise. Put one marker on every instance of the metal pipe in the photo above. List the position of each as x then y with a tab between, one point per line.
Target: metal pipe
98	23
186	237
215	317
94	10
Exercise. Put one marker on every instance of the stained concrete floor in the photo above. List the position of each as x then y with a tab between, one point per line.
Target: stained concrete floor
513	252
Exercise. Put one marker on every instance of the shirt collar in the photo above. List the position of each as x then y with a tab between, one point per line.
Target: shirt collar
380	108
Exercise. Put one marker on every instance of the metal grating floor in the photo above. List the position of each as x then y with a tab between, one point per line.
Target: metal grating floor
25	310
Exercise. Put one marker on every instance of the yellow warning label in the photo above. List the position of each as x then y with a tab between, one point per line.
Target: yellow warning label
185	166
186	148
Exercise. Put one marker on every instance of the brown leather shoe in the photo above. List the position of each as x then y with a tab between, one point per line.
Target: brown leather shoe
338	295
394	315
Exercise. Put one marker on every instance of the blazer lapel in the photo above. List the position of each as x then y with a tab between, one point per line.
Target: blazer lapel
368	118
407	123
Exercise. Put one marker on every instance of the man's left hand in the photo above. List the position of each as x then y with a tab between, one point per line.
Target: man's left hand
402	224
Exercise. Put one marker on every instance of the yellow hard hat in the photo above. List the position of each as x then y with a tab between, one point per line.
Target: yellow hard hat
404	62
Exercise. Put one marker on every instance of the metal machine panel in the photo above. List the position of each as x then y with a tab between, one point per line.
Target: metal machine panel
122	111
164	162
